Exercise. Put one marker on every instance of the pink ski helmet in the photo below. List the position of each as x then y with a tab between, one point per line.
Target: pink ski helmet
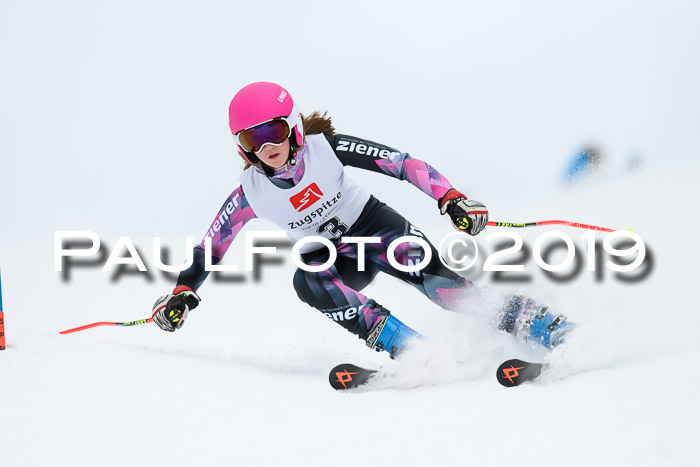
259	103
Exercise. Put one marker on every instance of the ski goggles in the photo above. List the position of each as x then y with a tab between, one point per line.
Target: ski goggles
274	132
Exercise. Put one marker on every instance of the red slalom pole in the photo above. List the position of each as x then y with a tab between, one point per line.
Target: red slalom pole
535	224
2	321
107	323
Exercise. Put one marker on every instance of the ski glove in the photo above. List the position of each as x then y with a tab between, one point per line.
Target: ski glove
170	311
467	215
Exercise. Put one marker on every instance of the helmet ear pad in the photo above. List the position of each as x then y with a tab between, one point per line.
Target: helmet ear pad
297	136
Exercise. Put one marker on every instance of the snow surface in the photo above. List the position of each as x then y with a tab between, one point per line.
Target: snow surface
114	121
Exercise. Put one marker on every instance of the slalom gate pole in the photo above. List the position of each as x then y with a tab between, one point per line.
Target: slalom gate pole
2	320
107	323
538	223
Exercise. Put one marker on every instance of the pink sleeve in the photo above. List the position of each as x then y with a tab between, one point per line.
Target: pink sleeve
232	216
426	178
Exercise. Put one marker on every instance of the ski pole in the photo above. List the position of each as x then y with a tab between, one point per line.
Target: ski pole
535	224
107	323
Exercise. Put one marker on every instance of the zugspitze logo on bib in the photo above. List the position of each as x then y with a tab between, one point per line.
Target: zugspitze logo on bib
306	197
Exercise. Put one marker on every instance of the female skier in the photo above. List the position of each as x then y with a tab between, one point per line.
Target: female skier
294	177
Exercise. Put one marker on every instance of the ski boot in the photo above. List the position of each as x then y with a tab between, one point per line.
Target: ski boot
390	334
530	322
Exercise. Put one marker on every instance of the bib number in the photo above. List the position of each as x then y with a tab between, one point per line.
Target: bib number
334	227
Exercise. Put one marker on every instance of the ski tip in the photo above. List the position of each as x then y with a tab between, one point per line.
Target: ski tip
515	372
348	376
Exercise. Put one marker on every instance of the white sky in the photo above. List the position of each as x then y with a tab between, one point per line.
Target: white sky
114	114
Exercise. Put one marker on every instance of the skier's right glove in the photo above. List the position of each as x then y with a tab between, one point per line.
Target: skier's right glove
170	311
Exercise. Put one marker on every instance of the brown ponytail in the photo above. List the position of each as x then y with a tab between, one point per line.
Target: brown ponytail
316	124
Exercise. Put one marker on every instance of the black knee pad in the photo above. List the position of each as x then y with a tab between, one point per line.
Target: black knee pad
301	286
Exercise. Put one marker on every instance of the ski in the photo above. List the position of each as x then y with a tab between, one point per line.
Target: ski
514	372
349	376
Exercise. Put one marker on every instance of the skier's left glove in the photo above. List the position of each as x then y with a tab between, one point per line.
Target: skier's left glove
467	215
170	311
